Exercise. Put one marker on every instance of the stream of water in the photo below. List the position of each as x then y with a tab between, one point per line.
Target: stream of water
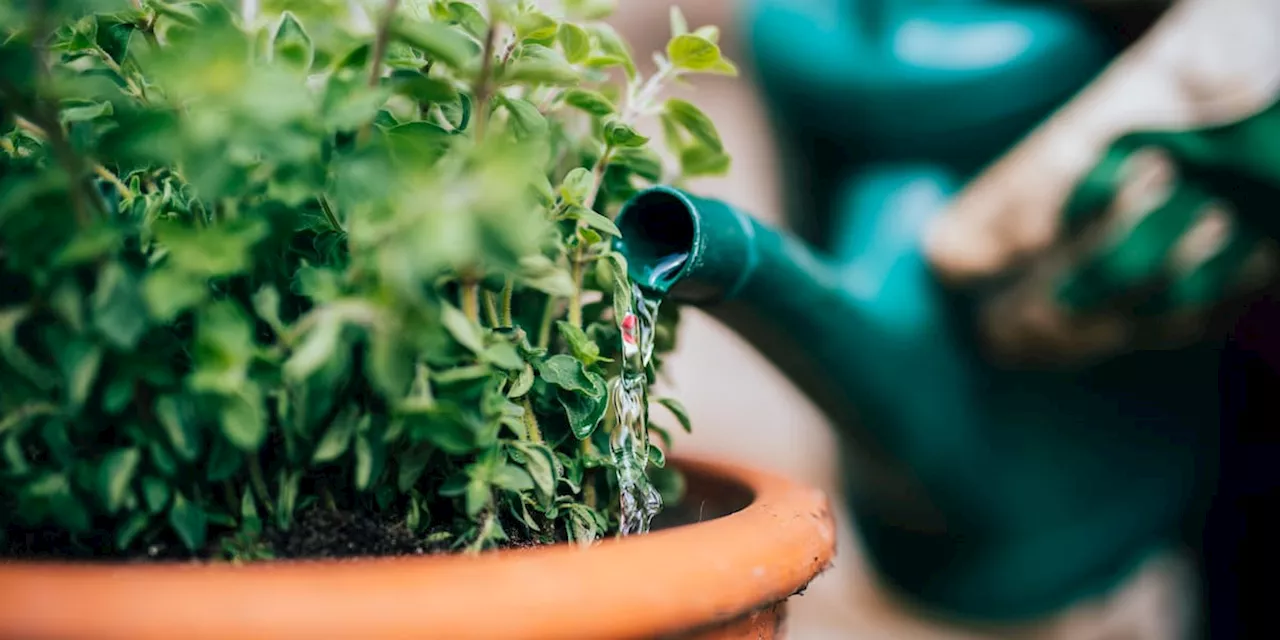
629	395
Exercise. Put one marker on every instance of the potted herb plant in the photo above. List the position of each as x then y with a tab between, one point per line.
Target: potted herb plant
290	281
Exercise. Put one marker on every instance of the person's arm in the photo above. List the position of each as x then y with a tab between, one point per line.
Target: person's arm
1204	63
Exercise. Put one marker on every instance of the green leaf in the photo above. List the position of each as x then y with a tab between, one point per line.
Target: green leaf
316	349
593	220
590	9
155	493
620	134
418	144
452	429
420	88
119	312
526	121
290	43
694	121
223	462
90	245
592	102
243	418
442	44
504	355
535	25
677	409
513	478
411	466
116	473
581	346
567	372
478	497
466	332
694	52
657	457
250	520
540	273
643	161
577	185
575	42
469	18
540	65
179	426
336	438
287	485
584	412
80	364
189	522
703	161
541	464
169	291
370	457
266	303
613	46
522	384
128	530
219	250
679	26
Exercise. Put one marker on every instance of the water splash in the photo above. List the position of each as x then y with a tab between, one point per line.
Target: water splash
629	398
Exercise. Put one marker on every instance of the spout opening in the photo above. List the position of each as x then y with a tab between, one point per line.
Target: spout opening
659	231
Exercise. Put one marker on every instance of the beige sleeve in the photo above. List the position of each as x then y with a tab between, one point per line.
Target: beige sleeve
1202	62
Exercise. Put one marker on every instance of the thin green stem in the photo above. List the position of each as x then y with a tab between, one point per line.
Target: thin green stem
380	42
544	327
491	309
471	299
329	214
259	483
508	289
531	421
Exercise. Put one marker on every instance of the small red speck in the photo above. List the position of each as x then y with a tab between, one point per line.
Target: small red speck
629	328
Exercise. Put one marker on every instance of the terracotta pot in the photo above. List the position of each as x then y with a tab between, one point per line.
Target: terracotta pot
756	539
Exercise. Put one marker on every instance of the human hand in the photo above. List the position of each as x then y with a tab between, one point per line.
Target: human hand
1138	214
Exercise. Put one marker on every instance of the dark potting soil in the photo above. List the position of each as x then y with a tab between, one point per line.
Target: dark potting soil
321	533
316	533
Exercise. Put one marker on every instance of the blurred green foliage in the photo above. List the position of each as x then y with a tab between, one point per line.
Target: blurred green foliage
257	258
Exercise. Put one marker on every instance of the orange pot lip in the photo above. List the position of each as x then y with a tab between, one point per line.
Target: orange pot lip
644	586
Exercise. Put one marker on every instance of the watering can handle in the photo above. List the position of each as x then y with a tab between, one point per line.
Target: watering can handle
1135	216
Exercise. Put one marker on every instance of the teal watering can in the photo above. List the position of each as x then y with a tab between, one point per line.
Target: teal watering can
852	84
978	491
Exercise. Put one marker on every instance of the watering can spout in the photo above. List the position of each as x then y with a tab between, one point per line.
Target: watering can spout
979	491
766	286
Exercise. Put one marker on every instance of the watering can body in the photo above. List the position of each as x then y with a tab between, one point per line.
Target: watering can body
978	492
853	84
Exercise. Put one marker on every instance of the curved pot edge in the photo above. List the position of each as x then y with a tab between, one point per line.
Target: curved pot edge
682	578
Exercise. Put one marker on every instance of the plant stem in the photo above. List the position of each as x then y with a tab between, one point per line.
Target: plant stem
329	214
259	484
507	289
481	88
544	328
380	42
575	300
111	178
471	299
531	421
491	310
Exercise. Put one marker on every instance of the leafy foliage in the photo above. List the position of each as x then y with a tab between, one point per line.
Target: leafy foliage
332	255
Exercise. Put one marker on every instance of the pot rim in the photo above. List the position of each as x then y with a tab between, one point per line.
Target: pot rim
683	578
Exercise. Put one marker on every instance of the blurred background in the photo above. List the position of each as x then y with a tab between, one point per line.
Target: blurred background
744	410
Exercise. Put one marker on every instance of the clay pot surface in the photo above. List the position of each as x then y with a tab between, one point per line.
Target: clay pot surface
722	566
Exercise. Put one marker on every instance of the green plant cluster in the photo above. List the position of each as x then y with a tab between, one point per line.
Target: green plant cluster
259	258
